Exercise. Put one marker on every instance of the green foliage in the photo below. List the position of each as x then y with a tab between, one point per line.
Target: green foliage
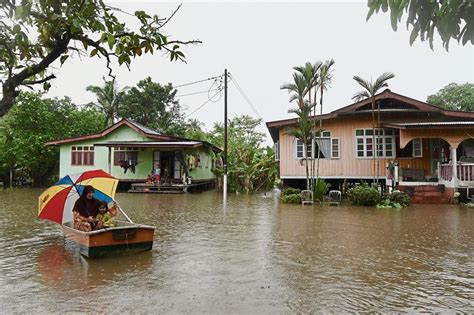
154	106
397	200
36	33
454	96
291	195
109	99
290	191
250	167
31	123
364	195
452	19
320	189
292	198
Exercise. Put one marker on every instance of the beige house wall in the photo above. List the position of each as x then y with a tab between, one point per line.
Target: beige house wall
348	165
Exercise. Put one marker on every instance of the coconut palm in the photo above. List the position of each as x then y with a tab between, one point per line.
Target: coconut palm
325	79
108	100
371	88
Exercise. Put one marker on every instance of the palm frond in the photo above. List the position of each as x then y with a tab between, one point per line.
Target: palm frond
381	81
361	95
365	84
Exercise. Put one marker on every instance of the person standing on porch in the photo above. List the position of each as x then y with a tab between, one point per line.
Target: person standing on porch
157	173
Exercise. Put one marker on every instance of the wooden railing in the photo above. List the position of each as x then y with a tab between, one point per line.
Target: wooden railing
465	172
446	172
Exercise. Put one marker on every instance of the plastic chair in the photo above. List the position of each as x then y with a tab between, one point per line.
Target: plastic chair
334	197
306	197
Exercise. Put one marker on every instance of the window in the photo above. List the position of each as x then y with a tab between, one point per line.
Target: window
384	143
322	144
82	155
417	148
300	150
413	148
335	148
125	154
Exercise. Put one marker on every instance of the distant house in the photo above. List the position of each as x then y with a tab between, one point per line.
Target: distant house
418	144
130	151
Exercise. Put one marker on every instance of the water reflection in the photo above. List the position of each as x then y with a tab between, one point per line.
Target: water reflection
254	256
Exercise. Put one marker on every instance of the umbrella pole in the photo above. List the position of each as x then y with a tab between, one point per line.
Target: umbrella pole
123	212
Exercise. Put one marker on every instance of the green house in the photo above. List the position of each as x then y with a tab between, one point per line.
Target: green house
130	152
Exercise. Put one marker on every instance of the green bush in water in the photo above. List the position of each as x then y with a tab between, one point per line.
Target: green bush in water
396	200
364	195
293	198
290	191
321	188
291	195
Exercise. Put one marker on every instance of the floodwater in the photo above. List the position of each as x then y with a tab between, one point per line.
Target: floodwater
253	256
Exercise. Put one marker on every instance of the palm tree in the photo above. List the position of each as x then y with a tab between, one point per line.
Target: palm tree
299	90
302	132
108	100
310	74
325	79
370	90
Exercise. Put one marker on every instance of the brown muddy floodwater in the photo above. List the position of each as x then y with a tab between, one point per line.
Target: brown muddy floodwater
254	256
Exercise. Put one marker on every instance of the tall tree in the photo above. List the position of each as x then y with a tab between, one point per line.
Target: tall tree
302	131
310	74
108	100
250	167
34	34
325	79
371	88
31	123
154	105
454	96
452	19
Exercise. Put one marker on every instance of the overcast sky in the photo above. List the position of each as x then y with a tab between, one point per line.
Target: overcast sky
259	43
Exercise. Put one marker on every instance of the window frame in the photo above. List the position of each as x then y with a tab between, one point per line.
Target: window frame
80	154
125	151
383	136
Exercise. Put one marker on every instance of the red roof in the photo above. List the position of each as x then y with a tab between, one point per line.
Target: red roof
138	128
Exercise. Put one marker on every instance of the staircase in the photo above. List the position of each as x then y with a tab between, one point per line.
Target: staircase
426	194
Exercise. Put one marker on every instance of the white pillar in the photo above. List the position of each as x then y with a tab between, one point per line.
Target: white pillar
110	161
454	159
225	188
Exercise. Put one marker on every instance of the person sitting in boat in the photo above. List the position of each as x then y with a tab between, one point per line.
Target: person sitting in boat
85	211
105	216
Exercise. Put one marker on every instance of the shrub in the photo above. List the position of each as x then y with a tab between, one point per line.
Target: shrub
364	195
320	189
291	195
292	198
290	191
395	200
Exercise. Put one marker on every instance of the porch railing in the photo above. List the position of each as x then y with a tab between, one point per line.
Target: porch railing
465	172
446	172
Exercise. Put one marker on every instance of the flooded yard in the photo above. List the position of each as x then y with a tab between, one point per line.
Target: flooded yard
254	255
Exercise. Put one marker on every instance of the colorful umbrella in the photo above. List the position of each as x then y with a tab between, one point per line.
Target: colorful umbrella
56	202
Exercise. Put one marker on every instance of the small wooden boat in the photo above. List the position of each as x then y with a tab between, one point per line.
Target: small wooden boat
125	238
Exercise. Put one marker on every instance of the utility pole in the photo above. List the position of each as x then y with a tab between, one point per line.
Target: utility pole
225	135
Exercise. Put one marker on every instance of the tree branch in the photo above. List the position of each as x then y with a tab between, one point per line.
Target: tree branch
49	77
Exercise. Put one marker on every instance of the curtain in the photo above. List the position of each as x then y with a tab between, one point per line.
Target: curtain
324	145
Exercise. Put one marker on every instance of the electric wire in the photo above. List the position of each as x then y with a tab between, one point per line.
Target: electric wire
196	82
200	92
201	106
246	98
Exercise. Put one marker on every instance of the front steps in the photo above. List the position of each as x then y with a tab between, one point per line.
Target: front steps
428	194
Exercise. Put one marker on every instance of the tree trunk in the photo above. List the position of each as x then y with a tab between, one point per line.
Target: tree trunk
374	145
320	130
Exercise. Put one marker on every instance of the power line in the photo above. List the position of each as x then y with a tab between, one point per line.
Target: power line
201	106
195	93
195	82
245	96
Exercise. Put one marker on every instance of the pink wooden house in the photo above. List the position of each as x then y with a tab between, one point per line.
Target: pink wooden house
422	148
